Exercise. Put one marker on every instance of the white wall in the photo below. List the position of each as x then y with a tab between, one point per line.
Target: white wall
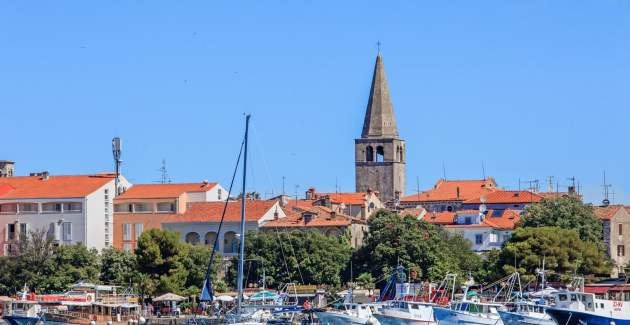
470	233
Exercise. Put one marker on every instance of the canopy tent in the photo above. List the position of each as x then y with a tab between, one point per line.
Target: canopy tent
263	295
169	297
224	298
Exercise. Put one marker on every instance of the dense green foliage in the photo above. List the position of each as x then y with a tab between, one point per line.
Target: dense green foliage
307	257
565	254
161	264
427	249
46	268
565	212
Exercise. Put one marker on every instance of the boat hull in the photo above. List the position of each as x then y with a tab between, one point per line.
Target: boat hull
446	316
395	320
331	318
571	317
510	318
21	320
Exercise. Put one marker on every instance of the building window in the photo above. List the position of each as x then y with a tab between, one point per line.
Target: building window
138	228
211	238
468	220
11	231
72	207
66	230
141	207
478	239
23	230
620	229
127	247
192	238
8	208
621	250
126	231
493	238
229	242
51	207
219	193
166	207
28	207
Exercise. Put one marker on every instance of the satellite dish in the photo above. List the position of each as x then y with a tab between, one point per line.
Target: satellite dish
483	208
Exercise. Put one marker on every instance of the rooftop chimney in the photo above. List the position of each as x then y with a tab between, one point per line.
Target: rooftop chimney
45	176
310	194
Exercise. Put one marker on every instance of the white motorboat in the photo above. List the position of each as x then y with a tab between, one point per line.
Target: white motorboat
527	313
357	314
406	312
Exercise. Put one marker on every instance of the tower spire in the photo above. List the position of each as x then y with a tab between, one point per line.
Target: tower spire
379	116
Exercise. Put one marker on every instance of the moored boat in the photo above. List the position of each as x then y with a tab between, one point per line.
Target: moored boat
357	314
24	312
527	313
578	308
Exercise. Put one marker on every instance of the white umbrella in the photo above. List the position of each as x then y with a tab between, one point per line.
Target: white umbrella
224	298
169	297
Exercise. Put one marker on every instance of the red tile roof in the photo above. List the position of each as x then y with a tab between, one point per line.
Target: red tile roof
351	198
211	211
501	196
35	187
447	190
439	218
163	191
322	217
506	220
607	213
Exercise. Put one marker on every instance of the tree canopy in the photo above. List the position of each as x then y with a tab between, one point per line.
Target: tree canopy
307	257
564	212
417	245
565	254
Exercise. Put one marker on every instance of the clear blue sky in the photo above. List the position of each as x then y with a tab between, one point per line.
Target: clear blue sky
531	88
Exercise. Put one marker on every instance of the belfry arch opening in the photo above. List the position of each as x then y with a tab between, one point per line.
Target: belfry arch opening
369	153
380	154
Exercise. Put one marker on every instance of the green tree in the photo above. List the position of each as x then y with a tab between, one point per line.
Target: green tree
161	256
429	250
117	267
365	280
565	254
565	212
196	262
307	257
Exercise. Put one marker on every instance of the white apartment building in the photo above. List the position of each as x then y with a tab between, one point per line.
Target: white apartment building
71	209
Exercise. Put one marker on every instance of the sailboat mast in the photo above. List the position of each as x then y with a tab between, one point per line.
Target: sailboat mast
241	258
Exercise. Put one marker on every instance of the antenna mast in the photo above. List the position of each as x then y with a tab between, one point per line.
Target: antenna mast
606	186
164	173
116	151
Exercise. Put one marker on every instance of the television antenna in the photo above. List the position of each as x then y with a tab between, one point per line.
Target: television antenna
606	187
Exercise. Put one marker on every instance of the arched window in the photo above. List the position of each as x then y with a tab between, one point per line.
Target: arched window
402	154
192	238
369	153
210	238
229	242
333	233
380	154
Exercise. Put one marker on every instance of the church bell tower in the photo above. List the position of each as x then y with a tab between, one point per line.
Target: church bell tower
380	152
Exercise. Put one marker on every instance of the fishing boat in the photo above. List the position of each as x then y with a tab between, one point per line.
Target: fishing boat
415	309
24	312
527	312
579	308
353	313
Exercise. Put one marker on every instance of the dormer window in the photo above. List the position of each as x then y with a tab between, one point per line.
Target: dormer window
307	217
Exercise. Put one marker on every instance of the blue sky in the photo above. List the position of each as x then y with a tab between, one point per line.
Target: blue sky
530	88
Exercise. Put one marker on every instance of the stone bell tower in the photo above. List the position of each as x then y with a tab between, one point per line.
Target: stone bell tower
380	152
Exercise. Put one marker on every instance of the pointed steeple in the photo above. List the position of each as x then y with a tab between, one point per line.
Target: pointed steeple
379	116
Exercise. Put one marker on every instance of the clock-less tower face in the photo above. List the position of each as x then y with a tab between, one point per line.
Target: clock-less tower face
380	152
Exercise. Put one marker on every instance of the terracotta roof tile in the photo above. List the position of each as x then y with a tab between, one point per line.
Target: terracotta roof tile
606	213
35	187
501	196
447	190
351	198
505	220
439	218
322	217
211	211
162	191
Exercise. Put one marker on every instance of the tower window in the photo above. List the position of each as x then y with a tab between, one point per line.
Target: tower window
380	154
369	153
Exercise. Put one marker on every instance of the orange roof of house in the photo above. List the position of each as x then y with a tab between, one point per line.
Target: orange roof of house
67	186
606	213
323	217
501	196
414	212
352	198
447	190
439	218
506	220
211	211
162	191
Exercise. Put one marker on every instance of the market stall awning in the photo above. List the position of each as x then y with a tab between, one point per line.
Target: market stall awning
169	297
